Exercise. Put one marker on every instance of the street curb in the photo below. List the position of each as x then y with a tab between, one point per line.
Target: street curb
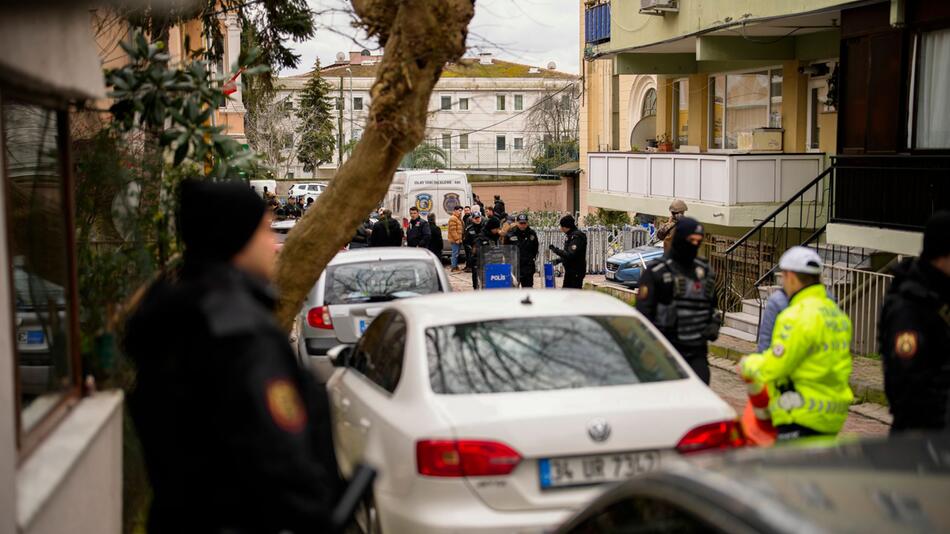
627	295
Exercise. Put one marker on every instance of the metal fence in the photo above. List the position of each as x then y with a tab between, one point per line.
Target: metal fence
602	243
860	295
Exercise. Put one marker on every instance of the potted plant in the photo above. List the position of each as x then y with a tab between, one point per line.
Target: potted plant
664	143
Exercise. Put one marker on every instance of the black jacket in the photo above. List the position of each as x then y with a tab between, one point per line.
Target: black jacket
386	233
914	340
363	232
470	237
418	234
236	434
499	208
435	239
527	242
293	210
680	299
574	254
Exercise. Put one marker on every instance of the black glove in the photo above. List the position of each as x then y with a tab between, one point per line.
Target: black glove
552	248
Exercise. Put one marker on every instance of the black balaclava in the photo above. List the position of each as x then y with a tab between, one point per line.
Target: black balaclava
216	219
681	250
567	221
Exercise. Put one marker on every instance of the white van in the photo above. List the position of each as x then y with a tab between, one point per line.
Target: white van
436	191
307	190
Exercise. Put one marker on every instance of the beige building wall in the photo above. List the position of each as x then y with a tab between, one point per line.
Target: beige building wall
547	195
109	29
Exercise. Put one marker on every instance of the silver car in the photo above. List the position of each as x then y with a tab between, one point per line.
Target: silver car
353	290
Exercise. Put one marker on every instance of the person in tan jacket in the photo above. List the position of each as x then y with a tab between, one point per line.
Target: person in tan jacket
455	236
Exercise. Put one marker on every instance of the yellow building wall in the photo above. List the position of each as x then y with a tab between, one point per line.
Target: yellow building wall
629	28
698	106
794	107
594	123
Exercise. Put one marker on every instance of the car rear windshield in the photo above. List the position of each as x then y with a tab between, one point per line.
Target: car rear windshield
379	281
546	353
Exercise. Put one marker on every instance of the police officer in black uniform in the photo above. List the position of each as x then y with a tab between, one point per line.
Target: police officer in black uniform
915	335
236	434
489	237
574	254
526	239
418	234
678	294
469	238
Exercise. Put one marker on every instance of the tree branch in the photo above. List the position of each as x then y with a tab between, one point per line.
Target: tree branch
420	37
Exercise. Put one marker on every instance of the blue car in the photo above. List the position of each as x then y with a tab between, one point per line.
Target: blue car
625	267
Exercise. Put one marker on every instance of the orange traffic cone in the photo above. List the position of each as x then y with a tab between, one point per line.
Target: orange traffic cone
756	421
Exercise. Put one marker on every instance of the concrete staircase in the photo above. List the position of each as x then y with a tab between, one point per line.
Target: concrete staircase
744	324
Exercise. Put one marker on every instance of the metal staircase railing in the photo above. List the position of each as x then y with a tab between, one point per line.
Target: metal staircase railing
752	259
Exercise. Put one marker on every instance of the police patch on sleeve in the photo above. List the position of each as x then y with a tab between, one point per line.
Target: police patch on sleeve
778	350
285	406
905	344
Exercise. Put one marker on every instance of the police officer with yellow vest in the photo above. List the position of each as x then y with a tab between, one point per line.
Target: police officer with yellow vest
806	368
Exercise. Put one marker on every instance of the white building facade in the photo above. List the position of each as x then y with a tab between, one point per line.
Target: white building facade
479	110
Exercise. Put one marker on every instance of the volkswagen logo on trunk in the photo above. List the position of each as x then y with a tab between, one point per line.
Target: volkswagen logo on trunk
598	430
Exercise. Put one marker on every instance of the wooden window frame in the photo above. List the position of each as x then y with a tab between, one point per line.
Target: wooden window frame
710	107
28	441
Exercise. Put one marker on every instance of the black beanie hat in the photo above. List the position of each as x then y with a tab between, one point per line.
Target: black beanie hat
937	236
216	219
492	223
567	221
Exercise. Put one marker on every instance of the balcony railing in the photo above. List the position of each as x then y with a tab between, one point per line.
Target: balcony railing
597	24
722	179
898	192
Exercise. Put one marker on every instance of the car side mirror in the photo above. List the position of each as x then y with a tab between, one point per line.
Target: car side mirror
340	355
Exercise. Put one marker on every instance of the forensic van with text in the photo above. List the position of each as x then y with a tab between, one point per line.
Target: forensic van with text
431	191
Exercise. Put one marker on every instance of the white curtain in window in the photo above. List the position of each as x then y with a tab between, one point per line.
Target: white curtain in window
933	103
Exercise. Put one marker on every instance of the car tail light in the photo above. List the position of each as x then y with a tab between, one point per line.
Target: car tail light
713	436
319	317
465	458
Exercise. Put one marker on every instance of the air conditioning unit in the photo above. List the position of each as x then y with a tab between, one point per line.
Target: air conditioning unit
658	7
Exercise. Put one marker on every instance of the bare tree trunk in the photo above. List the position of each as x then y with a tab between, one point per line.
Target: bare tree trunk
420	37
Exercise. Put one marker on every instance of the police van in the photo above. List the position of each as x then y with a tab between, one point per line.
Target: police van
431	191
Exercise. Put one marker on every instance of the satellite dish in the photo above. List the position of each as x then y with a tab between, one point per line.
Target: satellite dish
645	129
340	57
552	65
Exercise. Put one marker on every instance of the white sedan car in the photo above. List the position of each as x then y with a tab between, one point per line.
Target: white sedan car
506	410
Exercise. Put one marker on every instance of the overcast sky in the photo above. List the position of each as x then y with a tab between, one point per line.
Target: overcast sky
532	32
